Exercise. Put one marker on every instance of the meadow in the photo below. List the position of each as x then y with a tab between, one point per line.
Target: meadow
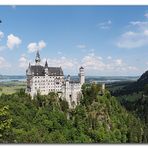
9	87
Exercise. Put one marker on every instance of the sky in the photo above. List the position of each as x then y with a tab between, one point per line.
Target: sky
105	40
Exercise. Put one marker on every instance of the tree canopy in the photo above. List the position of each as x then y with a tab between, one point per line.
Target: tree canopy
99	118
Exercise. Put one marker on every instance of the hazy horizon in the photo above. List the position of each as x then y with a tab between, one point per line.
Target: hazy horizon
78	76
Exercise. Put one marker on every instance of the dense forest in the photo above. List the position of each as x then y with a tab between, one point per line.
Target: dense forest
134	98
99	118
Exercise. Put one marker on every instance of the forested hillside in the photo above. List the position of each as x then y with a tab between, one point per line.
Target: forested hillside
134	97
99	118
133	87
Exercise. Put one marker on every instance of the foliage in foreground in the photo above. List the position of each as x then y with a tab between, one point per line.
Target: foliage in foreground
99	118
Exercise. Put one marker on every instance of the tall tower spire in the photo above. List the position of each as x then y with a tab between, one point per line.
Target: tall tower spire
81	75
46	68
46	64
37	59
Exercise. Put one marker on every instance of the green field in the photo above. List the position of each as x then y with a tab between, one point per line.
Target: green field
11	86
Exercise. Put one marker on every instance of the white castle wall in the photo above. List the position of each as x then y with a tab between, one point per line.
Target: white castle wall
45	84
71	92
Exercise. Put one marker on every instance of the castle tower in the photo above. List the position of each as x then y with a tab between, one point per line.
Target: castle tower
103	88
46	67
37	59
81	75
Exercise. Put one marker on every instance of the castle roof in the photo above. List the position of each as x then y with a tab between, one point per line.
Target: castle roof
46	64
81	67
38	70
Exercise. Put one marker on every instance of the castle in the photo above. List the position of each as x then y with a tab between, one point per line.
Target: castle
46	79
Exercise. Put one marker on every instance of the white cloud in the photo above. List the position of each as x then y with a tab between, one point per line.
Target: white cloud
32	47
64	62
146	15
23	61
129	34
118	65
119	62
13	41
81	46
91	62
41	44
146	32
139	25
136	37
132	68
4	63
1	35
105	25
109	57
133	39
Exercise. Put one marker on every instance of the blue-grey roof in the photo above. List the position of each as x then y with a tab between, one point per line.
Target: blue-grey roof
38	70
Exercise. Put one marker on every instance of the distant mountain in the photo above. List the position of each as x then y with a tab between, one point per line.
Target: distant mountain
143	79
140	83
134	86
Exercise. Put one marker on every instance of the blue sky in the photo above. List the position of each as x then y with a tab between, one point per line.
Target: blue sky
105	40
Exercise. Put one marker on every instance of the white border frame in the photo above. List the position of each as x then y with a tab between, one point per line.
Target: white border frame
74	2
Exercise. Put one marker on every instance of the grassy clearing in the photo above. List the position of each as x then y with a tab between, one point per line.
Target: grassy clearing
11	86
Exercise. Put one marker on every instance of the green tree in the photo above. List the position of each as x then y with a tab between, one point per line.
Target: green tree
5	125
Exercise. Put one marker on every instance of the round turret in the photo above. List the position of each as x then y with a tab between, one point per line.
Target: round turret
81	75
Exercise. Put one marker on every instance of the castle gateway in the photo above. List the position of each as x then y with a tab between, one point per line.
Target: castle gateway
46	79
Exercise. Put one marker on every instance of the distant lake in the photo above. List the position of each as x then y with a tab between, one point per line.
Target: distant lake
89	79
